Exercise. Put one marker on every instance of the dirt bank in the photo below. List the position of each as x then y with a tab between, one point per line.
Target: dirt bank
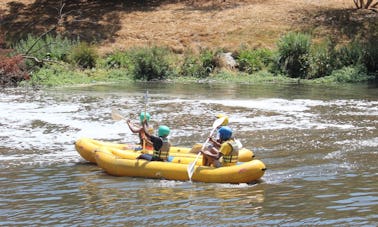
191	24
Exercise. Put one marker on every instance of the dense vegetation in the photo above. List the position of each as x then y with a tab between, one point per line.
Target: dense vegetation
54	60
330	41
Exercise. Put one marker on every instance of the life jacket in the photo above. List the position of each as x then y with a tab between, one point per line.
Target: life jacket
164	150
232	157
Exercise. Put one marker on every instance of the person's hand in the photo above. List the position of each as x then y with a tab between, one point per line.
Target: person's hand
128	121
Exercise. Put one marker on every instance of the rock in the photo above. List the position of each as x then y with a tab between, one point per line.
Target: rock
225	60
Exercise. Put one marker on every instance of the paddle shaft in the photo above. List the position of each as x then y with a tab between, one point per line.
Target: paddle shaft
203	146
191	166
144	118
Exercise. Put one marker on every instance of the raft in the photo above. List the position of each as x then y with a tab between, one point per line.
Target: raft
131	154
247	172
87	147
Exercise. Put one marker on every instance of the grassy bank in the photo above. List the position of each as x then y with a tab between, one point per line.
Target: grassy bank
57	61
330	42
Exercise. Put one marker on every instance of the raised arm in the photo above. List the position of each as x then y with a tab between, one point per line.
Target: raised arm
132	127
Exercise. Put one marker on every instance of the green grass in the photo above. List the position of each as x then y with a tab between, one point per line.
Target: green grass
354	64
62	75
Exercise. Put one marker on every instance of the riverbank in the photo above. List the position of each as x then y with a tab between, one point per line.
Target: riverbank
195	32
295	59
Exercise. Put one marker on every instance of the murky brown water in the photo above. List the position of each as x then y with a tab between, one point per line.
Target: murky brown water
320	146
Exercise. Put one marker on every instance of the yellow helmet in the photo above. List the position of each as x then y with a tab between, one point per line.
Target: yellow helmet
225	122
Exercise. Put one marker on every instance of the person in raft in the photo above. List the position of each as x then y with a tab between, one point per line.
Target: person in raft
226	154
160	144
144	118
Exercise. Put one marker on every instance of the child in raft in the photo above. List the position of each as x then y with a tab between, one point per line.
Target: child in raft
160	143
224	152
144	118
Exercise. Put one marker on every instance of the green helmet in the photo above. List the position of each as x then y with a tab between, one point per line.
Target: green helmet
144	116
163	130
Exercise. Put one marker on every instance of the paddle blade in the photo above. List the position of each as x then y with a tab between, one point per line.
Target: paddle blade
218	122
116	115
192	166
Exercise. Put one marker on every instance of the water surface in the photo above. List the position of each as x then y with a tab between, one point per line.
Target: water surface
319	145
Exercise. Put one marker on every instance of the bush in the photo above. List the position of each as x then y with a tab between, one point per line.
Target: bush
208	61
321	60
12	68
83	55
151	64
251	61
370	57
349	54
192	67
293	54
118	59
199	66
350	74
50	47
357	54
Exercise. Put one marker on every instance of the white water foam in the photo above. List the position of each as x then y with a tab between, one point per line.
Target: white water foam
48	125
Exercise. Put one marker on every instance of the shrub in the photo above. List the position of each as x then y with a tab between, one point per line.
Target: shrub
151	64
12	70
349	54
293	54
370	57
199	66
350	74
208	61
321	60
83	55
251	61
118	59
357	54
192	67
50	47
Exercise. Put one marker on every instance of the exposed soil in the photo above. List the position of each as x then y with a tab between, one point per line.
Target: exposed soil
186	24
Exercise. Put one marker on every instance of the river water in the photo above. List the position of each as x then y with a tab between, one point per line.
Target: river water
320	145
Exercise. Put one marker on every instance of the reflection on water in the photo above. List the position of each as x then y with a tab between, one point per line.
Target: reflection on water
319	144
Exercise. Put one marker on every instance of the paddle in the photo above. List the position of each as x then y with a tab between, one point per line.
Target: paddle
145	115
116	115
191	166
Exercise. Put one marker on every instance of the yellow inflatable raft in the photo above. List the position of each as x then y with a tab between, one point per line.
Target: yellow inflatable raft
244	173
131	154
87	147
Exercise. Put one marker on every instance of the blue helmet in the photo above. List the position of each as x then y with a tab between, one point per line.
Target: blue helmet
225	133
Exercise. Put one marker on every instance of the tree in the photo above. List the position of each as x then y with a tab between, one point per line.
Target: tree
369	4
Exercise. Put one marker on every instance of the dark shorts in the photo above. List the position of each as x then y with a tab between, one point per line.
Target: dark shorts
149	157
